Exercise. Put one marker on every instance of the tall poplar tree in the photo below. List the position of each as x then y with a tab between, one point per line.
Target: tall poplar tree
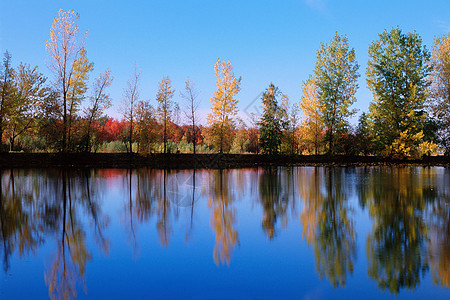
224	105
312	123
397	74
69	63
336	73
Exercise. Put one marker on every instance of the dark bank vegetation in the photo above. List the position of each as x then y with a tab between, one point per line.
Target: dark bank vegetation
201	161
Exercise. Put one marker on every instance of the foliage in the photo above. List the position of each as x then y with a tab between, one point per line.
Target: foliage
224	106
165	107
146	127
336	73
312	125
397	75
70	65
270	125
410	145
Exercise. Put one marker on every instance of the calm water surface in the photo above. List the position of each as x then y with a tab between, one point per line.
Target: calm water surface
301	232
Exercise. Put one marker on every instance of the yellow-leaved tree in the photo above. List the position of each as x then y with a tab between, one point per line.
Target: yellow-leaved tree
312	124
224	106
68	61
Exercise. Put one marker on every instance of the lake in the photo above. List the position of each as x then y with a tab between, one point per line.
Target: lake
263	233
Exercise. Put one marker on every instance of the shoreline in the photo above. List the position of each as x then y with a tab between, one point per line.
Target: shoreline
200	161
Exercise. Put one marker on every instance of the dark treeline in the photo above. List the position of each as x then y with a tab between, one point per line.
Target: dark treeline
409	116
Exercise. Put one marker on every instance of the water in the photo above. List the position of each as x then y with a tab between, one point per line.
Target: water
283	233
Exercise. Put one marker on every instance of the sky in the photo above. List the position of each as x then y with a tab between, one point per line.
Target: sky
266	41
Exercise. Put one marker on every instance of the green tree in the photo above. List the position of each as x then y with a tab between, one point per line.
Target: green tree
224	106
397	74
30	94
270	125
336	73
364	135
165	106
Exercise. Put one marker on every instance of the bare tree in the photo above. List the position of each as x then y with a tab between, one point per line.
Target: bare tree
99	101
190	96
129	102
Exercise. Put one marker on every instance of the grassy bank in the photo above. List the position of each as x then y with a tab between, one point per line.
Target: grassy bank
209	161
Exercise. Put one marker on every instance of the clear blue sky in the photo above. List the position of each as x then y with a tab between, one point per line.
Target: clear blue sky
266	41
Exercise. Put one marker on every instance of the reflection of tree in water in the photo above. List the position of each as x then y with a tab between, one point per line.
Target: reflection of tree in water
327	224
396	198
163	214
223	216
439	233
274	196
51	201
154	193
18	229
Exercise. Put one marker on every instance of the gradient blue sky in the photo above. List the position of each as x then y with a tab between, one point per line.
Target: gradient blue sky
266	41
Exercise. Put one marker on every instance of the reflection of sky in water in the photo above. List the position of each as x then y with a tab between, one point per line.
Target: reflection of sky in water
160	249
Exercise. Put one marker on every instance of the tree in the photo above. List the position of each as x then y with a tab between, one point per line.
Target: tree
29	95
99	101
397	74
129	101
190	96
312	123
336	73
7	90
289	118
165	106
69	63
270	123
224	105
363	135
440	88
146	127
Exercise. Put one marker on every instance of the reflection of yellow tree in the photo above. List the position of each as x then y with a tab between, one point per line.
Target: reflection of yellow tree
222	217
69	264
274	197
326	224
396	199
